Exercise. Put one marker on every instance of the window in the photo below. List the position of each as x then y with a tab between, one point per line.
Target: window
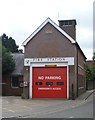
69	22
59	83
38	83
49	83
66	22
15	82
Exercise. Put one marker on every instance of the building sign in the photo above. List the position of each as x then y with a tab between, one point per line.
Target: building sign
49	77
29	61
46	88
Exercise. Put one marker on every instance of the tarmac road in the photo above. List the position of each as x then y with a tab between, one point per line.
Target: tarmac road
15	107
82	111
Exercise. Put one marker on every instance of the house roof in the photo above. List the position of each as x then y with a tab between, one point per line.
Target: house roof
77	45
19	60
90	63
48	20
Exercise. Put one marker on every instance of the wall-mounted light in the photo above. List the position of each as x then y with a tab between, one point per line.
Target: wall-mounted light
26	68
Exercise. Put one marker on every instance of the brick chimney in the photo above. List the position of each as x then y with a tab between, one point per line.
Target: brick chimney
69	26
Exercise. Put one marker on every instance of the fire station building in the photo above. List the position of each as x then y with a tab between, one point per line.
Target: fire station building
54	62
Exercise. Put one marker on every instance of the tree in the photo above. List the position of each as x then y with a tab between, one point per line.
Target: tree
93	56
8	63
90	73
9	44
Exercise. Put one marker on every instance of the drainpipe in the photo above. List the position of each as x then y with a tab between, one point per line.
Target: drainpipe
77	70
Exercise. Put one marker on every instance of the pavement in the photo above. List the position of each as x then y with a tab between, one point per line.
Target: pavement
86	95
15	107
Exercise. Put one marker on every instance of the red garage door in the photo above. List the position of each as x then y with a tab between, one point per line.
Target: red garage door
49	82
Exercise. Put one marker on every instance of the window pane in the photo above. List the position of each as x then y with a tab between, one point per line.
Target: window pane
38	83
15	82
66	22
70	22
49	83
60	83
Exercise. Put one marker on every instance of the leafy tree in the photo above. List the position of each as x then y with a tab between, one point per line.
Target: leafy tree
90	73
9	43
8	63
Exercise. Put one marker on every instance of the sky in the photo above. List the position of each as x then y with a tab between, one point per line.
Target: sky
20	18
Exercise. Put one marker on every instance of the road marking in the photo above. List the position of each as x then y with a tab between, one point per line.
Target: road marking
68	118
8	110
25	107
11	110
71	117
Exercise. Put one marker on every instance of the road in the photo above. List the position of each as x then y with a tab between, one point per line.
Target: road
15	107
82	111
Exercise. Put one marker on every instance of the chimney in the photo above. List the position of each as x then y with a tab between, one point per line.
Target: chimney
69	26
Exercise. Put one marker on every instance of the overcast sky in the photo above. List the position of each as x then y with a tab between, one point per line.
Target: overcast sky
19	18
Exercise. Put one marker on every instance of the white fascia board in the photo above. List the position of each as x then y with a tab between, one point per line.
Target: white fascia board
35	32
69	60
62	31
42	25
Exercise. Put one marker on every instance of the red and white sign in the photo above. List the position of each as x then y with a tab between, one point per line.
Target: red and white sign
49	82
25	83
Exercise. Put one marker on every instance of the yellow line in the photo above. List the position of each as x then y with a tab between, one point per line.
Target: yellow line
8	109
11	110
25	107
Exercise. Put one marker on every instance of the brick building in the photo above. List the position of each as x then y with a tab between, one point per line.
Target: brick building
12	84
54	62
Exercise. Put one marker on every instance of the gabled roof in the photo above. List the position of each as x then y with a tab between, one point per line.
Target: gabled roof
77	45
48	20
